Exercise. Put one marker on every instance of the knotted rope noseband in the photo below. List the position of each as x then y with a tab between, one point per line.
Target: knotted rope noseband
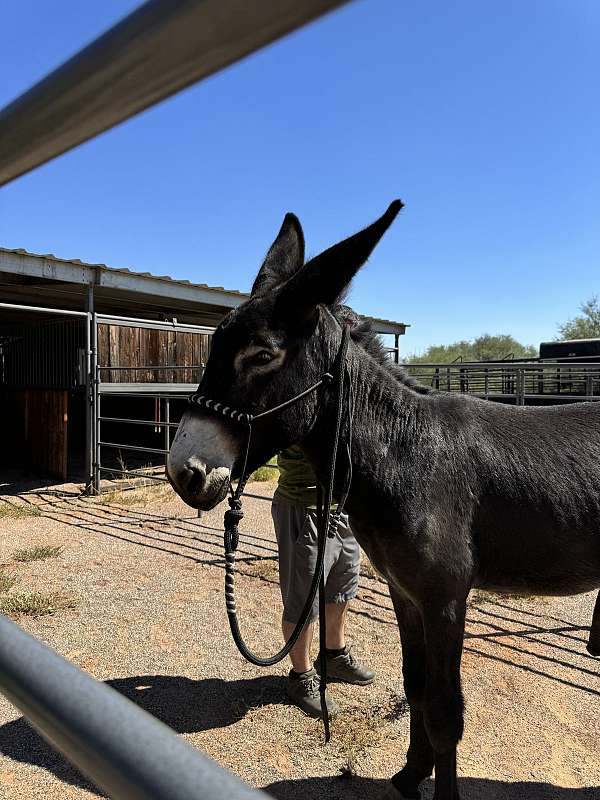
339	379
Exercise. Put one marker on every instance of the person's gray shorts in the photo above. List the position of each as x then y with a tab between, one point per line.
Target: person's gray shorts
296	531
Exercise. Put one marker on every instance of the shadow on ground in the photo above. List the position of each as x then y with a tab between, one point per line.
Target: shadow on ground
185	705
357	788
190	706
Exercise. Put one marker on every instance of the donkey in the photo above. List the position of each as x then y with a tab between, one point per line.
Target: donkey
448	492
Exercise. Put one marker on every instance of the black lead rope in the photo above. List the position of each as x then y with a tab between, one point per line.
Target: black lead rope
234	515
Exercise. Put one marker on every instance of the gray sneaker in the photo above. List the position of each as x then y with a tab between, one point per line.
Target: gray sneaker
348	669
303	691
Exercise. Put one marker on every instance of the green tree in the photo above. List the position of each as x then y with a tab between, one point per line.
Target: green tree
584	326
483	348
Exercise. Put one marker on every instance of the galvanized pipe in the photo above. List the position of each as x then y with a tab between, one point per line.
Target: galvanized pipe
96	408
89	404
61	312
131	421
117	446
168	424
159	49
135	322
133	473
124	750
533	363
149	367
129	390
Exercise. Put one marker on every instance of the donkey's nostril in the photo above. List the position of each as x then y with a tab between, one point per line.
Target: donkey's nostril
197	478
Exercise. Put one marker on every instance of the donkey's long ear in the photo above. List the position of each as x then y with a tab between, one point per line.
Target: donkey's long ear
285	257
325	278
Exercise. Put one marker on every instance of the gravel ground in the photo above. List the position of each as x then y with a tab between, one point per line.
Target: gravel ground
150	620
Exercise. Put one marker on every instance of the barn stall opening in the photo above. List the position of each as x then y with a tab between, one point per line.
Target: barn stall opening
70	329
97	363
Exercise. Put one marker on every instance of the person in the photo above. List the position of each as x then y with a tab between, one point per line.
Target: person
295	519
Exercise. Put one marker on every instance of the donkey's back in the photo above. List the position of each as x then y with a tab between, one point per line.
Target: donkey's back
536	525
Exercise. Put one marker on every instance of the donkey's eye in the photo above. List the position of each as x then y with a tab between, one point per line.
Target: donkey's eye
262	357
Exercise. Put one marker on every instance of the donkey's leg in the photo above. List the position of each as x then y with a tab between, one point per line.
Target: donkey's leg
593	645
444	625
419	758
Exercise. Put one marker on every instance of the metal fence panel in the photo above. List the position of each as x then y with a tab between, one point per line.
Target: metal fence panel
521	382
107	385
49	355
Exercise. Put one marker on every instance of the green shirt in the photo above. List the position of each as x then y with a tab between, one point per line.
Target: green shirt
297	481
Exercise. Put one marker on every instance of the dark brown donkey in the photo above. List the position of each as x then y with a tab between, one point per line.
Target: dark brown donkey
448	492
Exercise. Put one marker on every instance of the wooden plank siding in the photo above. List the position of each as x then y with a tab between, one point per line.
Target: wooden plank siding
35	433
47	431
155	350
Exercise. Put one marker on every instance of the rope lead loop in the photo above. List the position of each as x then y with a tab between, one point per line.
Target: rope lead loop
232	518
326	523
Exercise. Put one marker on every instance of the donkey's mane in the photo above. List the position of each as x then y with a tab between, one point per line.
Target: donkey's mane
364	335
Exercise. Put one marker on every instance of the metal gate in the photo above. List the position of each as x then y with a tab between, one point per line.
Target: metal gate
152	406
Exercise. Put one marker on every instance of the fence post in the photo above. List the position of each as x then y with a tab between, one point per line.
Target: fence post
95	407
167	428
89	408
589	387
520	393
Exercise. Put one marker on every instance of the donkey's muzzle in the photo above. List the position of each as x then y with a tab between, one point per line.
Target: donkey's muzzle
198	488
195	475
200	460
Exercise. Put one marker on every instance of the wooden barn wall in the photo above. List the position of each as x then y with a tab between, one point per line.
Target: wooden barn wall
36	431
47	431
124	347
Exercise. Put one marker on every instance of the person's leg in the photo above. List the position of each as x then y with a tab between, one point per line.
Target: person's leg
340	588
335	618
300	652
295	528
335	615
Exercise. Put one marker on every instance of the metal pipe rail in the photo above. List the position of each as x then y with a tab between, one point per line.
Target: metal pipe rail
132	474
59	312
172	391
524	362
150	422
533	363
140	322
159	49
125	751
154	367
545	381
134	447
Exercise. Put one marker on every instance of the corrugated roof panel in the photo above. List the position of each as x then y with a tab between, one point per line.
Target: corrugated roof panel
125	270
180	281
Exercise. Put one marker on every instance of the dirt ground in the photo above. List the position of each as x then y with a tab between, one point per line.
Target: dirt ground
149	619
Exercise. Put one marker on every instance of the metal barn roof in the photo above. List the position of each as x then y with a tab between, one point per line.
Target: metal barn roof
35	279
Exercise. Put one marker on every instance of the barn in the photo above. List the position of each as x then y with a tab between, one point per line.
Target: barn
96	364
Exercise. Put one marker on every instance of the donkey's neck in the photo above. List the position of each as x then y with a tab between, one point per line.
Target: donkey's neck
385	437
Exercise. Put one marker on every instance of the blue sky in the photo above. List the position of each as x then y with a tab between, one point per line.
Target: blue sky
483	117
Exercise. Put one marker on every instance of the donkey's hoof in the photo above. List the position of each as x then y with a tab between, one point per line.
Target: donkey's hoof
593	648
391	793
